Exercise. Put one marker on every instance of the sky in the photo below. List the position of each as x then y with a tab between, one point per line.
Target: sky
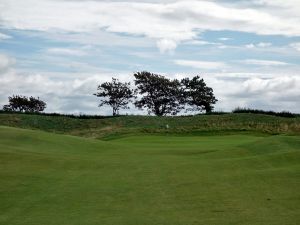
248	51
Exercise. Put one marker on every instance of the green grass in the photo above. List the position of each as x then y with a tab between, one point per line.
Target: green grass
182	179
108	128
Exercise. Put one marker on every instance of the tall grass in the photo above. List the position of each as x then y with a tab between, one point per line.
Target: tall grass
80	116
100	126
272	113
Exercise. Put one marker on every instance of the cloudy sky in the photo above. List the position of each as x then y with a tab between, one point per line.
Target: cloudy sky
248	51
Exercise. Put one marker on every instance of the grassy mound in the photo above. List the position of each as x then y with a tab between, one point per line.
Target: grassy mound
52	179
134	125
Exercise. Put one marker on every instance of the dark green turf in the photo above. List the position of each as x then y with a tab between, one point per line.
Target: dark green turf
51	179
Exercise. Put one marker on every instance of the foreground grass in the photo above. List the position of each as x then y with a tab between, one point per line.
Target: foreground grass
148	180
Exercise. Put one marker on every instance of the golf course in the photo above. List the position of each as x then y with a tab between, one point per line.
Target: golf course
234	169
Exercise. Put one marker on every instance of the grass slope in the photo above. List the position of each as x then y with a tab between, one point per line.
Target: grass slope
52	179
107	128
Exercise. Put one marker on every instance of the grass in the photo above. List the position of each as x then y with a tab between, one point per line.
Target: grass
160	179
257	111
106	128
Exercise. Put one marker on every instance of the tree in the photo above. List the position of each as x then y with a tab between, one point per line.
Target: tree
18	103
196	94
159	94
36	105
115	94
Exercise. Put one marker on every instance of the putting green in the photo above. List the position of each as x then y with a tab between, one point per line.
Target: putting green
50	179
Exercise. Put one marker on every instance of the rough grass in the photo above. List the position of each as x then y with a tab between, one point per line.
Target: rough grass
238	179
126	125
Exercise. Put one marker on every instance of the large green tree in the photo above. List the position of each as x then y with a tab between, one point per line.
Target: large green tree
197	95
158	94
115	94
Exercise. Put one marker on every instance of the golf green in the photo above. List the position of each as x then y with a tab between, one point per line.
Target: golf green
237	179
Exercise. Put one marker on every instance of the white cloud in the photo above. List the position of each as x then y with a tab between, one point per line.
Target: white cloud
205	65
276	85
96	38
250	46
167	22
258	45
296	46
166	45
4	36
277	92
66	51
201	42
264	62
5	63
225	39
264	44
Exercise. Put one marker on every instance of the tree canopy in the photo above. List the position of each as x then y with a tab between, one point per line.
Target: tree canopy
197	95
18	103
159	94
115	94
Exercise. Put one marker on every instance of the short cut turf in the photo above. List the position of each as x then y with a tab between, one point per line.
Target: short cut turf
235	179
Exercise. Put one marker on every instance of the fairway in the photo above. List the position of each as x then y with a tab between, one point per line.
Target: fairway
237	179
